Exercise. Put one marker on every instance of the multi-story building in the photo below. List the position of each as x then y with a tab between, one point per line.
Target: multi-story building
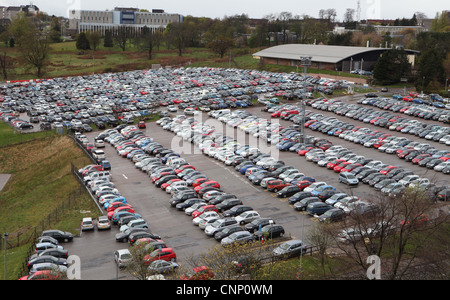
90	20
8	13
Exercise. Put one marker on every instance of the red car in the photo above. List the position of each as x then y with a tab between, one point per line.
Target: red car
304	151
160	175
142	125
276	185
166	254
199	273
91	168
417	159
182	168
334	163
351	167
166	184
407	99
115	205
123	208
42	275
387	169
203	209
303	184
208	183
341	166
197	182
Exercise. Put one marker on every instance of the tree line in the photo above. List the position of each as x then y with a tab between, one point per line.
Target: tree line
33	36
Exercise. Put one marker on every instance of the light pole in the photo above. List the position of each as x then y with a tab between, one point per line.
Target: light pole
5	236
306	61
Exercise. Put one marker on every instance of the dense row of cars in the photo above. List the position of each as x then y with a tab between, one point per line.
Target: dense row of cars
302	191
389	179
191	191
49	260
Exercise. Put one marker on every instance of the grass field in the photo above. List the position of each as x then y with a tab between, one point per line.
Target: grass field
66	60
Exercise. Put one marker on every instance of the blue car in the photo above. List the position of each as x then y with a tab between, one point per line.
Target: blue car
287	146
106	164
322	188
119	199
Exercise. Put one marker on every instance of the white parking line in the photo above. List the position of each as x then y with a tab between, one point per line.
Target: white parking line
124	176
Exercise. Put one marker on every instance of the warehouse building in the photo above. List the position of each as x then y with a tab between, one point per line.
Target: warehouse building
325	57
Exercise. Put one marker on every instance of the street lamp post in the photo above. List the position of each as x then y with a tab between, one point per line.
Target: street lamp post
5	236
306	61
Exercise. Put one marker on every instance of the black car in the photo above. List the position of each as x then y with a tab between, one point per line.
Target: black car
123	236
288	191
332	215
298	197
188	203
47	259
269	232
132	238
56	252
258	223
59	235
227	204
236	210
302	204
221	198
222	233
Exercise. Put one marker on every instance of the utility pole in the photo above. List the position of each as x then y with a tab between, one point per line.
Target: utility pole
306	61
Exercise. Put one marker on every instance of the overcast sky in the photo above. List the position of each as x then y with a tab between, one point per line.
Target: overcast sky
370	9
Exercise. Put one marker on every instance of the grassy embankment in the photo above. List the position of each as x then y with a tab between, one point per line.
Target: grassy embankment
41	181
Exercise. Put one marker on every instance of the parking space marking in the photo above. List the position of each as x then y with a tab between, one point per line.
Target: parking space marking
124	176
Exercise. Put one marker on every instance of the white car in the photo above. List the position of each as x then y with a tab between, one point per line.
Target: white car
122	257
313	186
441	166
247	217
204	215
207	221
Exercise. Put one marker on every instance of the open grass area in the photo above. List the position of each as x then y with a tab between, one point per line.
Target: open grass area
66	60
10	137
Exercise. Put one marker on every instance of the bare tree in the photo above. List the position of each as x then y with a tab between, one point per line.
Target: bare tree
6	64
34	49
349	14
121	36
393	228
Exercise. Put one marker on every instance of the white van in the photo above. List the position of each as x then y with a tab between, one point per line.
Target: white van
97	175
98	154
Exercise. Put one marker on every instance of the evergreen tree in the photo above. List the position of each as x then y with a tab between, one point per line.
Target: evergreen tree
82	42
431	70
391	67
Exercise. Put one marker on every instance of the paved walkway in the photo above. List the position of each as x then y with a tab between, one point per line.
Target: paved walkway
3	180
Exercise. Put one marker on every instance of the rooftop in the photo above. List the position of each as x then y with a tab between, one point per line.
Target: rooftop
318	53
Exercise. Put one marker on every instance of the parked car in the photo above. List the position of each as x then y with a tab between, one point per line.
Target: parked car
122	257
59	235
269	232
238	237
103	223
289	249
161	266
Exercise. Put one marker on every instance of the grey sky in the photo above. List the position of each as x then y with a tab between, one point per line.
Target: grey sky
371	9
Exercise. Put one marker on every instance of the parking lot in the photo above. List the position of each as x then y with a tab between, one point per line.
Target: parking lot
174	93
176	229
